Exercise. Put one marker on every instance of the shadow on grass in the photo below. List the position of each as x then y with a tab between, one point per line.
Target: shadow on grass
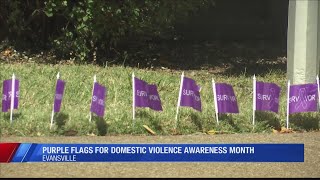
141	113
14	116
60	119
268	118
154	122
197	121
228	118
306	121
101	125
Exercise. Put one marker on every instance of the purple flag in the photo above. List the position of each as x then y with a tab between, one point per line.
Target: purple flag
190	95
303	98
267	96
6	95
98	99
226	99
59	95
146	95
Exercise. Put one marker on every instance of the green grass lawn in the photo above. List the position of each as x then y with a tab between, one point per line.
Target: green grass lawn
37	85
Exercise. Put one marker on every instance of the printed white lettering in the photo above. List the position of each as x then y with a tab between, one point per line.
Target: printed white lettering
154	98
101	102
226	98
186	92
58	96
4	97
141	93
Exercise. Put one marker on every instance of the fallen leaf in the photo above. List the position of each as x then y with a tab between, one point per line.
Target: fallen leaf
149	130
211	132
175	132
285	130
91	134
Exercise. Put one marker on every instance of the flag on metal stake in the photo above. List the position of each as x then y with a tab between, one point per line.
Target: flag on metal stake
189	95
225	99
6	95
9	101
58	95
145	95
98	99
302	98
60	84
265	97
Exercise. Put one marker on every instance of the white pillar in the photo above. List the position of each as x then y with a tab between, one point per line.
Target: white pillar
303	44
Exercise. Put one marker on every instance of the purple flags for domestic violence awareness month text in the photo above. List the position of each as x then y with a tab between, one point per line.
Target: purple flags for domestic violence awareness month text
145	95
98	99
225	99
9	101
302	98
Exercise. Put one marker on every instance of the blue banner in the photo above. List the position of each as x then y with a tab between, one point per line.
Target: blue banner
27	152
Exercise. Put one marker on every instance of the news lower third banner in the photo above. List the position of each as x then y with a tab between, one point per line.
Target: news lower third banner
33	152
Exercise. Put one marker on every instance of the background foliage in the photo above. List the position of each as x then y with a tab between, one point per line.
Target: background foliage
88	30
